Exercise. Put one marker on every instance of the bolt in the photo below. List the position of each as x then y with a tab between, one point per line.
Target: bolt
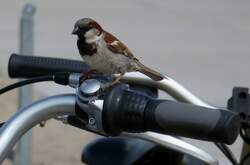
91	121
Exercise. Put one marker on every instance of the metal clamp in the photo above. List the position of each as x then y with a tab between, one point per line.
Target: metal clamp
89	105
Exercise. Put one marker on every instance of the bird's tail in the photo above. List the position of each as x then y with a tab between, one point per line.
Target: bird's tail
149	72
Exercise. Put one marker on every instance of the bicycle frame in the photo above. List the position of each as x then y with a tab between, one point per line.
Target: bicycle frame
54	106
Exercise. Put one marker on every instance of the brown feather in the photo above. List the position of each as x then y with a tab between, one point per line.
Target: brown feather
95	25
156	76
117	46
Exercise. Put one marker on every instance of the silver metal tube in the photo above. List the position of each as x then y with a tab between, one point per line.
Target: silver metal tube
31	115
175	144
23	152
168	85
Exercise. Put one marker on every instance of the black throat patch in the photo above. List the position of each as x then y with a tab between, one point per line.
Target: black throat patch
86	49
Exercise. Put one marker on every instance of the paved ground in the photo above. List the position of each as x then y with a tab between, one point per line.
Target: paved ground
202	44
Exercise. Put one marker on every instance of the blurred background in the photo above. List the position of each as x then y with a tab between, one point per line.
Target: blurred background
204	45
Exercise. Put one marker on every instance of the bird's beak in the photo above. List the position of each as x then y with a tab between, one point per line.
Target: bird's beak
76	30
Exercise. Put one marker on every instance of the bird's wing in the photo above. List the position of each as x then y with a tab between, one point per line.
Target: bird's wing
117	46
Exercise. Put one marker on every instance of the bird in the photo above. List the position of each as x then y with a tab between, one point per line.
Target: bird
105	54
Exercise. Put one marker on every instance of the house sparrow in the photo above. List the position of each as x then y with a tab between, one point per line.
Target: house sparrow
105	54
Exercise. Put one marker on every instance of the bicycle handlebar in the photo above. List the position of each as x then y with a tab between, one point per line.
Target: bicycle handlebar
54	106
21	66
190	116
127	110
26	66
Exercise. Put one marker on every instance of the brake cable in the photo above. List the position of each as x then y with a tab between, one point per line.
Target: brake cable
59	78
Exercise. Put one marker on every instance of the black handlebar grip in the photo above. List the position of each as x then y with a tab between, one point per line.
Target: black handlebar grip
21	66
192	121
131	111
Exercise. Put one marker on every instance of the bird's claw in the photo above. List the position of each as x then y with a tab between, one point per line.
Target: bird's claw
105	88
42	123
88	75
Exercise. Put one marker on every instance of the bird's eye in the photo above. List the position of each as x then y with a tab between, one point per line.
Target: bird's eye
97	31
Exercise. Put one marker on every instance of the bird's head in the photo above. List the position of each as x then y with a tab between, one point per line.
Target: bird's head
87	28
